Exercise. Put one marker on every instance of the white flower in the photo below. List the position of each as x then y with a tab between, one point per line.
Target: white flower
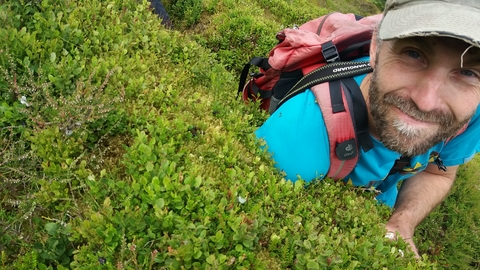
242	200
23	100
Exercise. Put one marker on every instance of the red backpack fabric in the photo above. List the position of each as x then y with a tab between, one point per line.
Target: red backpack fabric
330	38
317	56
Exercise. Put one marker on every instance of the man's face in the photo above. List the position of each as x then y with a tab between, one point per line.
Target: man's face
419	94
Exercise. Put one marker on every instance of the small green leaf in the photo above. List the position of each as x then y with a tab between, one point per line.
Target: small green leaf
145	149
298	186
211	259
197	254
198	181
219	235
51	228
149	166
53	57
239	248
160	203
313	265
106	202
307	244
77	71
51	78
167	182
26	61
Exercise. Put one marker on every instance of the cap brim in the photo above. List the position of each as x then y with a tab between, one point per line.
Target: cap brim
432	19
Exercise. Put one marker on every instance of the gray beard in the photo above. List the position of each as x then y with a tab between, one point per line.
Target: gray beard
400	137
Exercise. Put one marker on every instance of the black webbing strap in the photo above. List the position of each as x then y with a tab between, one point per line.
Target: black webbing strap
256	61
330	72
399	164
359	113
336	97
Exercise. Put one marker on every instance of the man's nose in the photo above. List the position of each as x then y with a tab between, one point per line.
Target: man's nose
428	92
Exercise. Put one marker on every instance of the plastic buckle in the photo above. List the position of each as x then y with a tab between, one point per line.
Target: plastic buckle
330	52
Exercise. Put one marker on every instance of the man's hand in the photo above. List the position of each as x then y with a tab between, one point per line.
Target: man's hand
417	197
392	235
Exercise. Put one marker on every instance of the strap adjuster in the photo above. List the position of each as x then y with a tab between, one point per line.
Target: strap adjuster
330	52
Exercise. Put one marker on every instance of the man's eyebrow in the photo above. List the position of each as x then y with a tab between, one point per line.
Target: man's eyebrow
423	43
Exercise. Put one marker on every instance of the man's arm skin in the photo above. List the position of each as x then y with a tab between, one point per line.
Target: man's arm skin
417	197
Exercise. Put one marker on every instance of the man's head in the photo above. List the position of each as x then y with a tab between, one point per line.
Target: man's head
426	83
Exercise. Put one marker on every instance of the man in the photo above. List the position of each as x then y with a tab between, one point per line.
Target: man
424	89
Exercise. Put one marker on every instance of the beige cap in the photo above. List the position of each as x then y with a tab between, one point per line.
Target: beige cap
449	18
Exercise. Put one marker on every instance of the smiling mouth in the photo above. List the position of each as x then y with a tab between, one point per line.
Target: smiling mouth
410	119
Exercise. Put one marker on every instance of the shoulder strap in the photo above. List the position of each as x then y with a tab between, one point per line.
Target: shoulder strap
338	122
255	61
346	120
399	165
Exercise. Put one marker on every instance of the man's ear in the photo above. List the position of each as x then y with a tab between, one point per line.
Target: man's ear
373	48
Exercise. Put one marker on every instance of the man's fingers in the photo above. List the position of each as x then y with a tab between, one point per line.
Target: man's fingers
393	236
413	247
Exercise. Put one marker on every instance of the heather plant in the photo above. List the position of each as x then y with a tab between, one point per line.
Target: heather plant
123	146
44	141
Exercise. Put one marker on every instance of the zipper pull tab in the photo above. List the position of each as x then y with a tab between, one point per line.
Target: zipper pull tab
440	165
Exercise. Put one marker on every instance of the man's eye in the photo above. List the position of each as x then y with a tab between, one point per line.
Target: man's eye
413	54
468	73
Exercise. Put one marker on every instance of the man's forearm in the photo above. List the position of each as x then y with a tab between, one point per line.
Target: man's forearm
418	196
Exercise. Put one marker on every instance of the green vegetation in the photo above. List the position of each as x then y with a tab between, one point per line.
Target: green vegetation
123	146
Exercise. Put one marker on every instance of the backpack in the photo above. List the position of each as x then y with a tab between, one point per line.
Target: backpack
317	56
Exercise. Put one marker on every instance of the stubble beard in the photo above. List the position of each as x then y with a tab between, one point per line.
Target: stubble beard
401	137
